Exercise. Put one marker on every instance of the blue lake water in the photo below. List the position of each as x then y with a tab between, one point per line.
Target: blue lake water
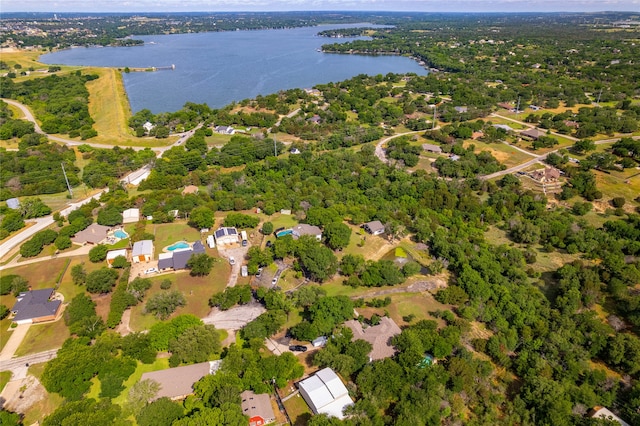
219	68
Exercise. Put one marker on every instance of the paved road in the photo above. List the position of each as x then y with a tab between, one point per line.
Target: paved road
380	151
16	365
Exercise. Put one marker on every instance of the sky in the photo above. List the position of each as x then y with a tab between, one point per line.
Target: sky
299	5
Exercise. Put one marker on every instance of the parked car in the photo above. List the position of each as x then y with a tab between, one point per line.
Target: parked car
232	261
151	271
297	348
259	273
269	243
274	281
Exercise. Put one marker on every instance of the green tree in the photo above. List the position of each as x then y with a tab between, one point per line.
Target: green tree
161	412
164	304
337	235
318	261
12	221
140	394
98	253
267	228
196	344
62	242
102	280
200	264
201	217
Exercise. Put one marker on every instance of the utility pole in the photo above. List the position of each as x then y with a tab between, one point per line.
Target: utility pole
435	109
67	180
599	94
518	107
275	148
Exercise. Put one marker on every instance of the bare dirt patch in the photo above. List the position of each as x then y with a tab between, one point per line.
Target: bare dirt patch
29	392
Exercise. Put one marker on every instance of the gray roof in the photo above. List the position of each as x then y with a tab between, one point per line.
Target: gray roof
374	226
198	247
34	304
93	234
431	148
13	203
144	247
533	133
180	258
304	229
257	405
178	382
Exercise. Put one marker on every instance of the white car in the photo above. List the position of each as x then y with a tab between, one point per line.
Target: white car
232	261
151	271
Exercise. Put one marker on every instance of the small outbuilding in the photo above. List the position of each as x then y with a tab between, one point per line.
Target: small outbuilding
142	251
112	254
130	215
13	203
374	227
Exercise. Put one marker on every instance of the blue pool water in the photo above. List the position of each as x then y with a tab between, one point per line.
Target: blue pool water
120	234
283	233
179	245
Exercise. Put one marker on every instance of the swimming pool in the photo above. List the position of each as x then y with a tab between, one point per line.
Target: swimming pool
283	233
120	234
178	245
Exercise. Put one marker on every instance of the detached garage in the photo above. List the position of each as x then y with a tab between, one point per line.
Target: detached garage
142	251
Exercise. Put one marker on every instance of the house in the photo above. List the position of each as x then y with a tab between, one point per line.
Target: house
177	383
461	109
225	130
432	148
325	393
313	92
257	407
477	135
533	133
148	126
604	413
506	105
572	124
13	203
315	119
93	234
374	228
226	236
304	229
142	251
35	306
173	213
178	259
535	107
190	189
546	175
454	157
130	215
294	151
112	254
378	335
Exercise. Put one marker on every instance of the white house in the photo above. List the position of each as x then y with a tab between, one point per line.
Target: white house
148	126
325	393
112	254
304	229
226	236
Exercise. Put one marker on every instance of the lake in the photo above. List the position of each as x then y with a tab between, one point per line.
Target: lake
219	68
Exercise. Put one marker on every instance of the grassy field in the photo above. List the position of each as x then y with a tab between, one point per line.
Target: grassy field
5	376
298	410
505	154
169	233
42	337
197	291
159	364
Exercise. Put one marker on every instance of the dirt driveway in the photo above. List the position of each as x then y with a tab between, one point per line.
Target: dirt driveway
239	254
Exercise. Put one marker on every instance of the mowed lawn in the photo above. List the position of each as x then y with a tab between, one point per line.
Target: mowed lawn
197	292
505	154
169	233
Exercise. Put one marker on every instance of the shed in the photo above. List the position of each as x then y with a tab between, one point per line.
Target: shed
211	242
112	254
130	215
320	341
325	393
142	251
257	407
13	203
